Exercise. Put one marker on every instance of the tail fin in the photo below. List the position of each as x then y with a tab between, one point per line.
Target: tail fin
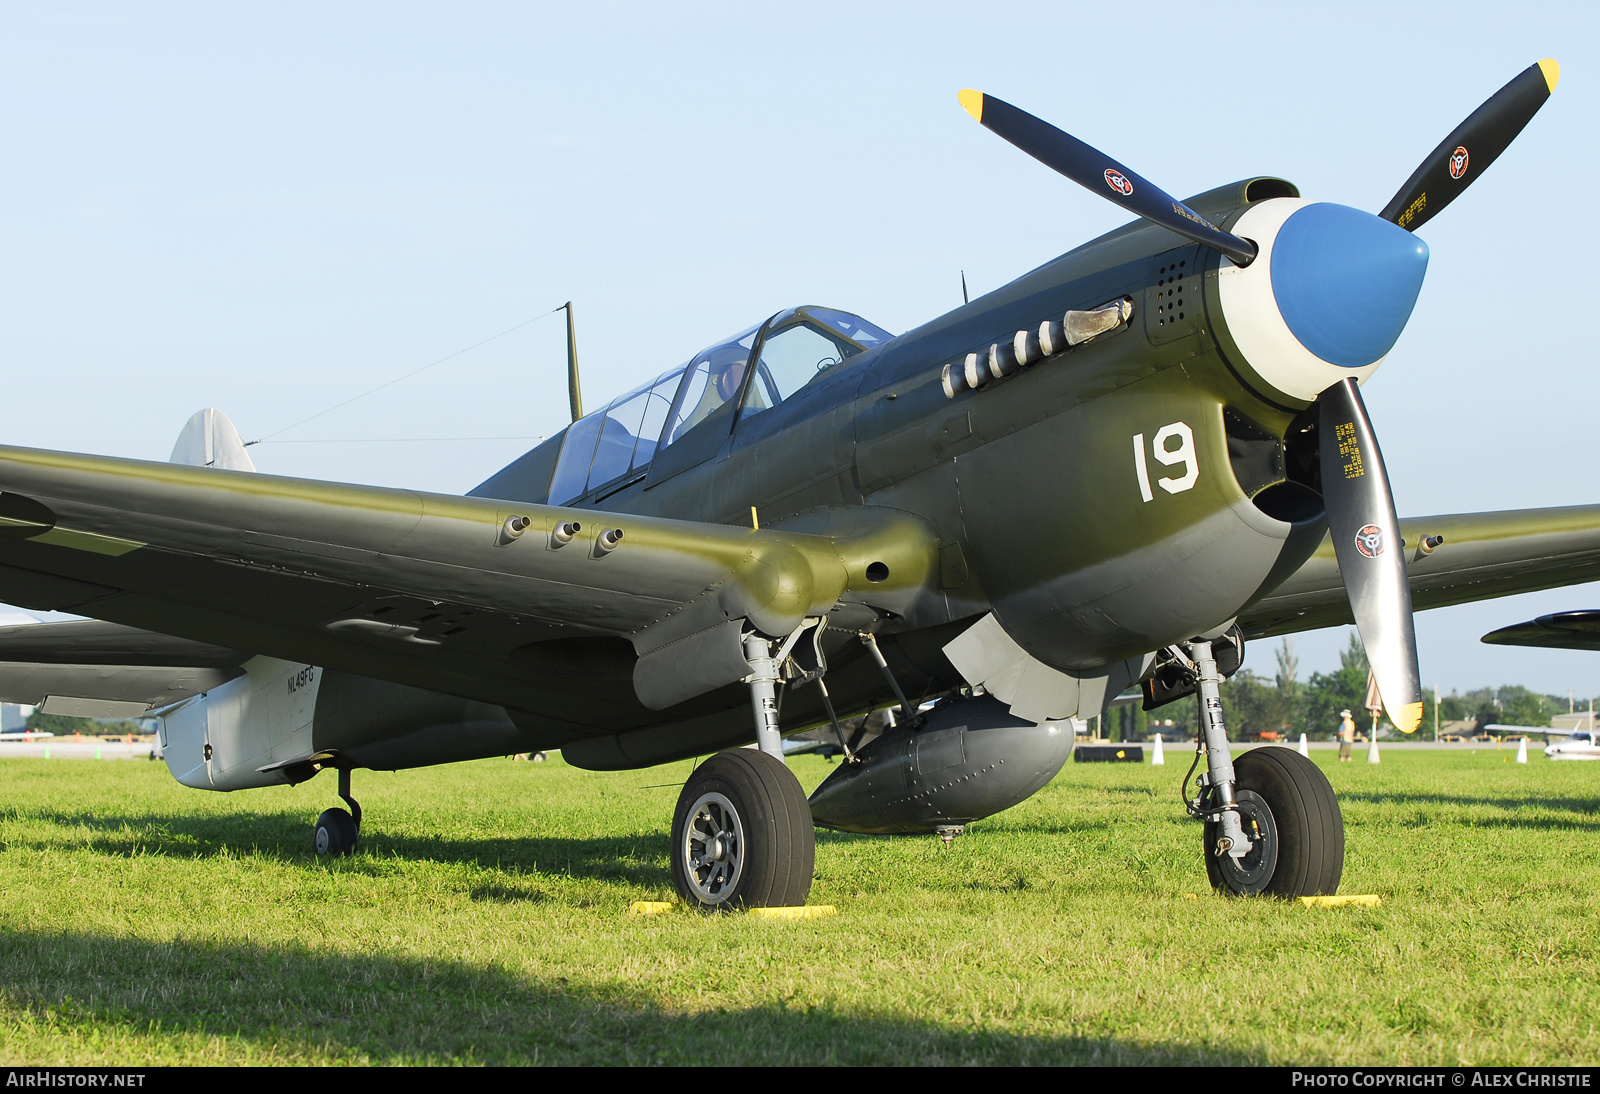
209	440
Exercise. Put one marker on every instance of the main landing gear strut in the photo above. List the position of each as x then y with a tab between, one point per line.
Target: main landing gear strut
337	832
742	834
1272	823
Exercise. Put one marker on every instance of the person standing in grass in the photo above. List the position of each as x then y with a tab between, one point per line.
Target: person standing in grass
1347	735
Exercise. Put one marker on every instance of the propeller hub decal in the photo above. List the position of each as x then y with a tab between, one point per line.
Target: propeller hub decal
1369	540
1458	162
1119	182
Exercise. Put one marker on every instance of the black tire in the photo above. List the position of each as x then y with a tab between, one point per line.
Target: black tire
1287	800
335	834
753	804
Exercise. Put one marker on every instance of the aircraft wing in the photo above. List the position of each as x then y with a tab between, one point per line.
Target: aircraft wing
440	592
1484	555
1526	731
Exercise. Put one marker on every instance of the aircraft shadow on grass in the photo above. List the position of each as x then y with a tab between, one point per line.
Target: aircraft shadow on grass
380	1008
635	858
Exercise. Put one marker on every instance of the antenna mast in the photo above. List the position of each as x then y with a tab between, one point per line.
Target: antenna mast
574	393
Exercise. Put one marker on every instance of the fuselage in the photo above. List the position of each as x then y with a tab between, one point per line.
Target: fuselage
1581	745
1133	491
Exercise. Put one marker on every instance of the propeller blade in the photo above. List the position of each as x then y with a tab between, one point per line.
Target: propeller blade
1099	173
1366	542
1472	147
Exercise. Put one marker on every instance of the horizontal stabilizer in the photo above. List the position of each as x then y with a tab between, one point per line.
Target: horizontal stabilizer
1579	630
92	708
90	669
91	642
50	686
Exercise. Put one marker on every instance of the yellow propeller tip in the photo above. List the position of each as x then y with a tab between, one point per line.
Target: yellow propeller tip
972	102
1407	718
1548	66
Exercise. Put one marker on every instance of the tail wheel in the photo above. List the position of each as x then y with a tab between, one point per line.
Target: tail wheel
742	834
1291	815
336	833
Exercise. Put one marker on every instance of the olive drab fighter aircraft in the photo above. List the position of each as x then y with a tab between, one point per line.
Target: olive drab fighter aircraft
1108	473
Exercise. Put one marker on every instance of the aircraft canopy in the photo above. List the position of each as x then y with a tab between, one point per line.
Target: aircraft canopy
616	444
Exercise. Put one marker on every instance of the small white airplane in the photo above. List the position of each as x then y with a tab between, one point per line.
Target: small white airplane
1580	744
1577	630
1577	744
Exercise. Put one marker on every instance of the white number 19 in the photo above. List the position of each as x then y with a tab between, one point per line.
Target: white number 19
1183	454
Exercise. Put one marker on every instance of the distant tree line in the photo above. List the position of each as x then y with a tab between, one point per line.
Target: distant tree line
1253	704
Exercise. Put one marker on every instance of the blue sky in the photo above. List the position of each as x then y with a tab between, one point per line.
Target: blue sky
269	210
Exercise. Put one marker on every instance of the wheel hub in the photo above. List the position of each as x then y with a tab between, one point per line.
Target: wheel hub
1253	871
713	848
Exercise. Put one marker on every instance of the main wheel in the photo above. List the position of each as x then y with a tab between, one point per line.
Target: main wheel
742	834
1292	817
336	833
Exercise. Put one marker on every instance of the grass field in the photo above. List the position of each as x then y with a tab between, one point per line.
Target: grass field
486	921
